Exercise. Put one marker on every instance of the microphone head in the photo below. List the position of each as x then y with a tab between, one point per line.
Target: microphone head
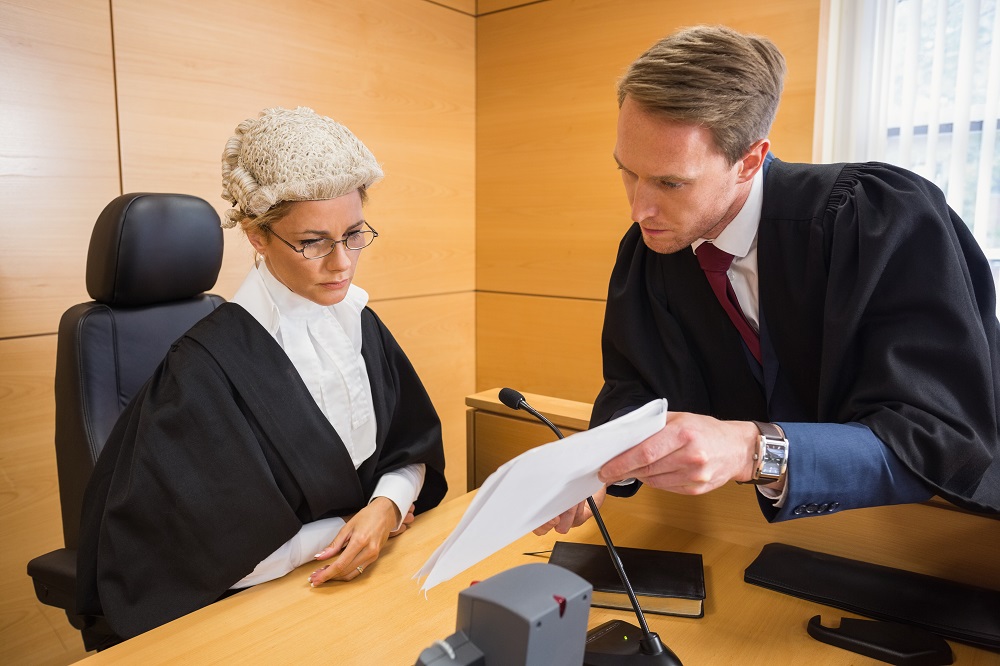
511	398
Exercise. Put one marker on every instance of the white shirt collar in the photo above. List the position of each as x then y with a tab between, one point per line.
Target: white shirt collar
738	236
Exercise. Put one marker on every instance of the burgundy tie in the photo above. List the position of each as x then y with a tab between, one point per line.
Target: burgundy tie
715	263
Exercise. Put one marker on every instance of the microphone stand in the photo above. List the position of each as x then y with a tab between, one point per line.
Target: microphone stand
608	644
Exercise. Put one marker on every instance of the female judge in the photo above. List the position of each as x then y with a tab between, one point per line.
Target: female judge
286	426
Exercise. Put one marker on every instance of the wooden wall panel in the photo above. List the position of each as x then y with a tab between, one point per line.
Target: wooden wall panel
438	335
399	74
538	344
29	504
60	167
487	6
464	6
546	115
505	438
60	154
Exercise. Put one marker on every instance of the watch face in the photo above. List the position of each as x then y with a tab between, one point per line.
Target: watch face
774	457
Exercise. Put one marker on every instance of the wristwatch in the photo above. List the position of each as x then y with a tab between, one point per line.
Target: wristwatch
771	456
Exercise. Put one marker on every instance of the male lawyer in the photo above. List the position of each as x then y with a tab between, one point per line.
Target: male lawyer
826	332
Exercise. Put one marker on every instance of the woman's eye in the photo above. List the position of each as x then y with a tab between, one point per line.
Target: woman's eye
311	241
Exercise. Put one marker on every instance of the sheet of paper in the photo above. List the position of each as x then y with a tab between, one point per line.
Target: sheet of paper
535	487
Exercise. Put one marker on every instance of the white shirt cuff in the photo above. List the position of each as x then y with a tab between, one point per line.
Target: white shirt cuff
401	487
775	496
301	548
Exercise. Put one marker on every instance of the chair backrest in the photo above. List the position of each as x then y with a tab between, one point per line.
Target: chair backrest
151	258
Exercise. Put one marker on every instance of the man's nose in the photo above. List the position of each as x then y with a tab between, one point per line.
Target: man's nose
643	202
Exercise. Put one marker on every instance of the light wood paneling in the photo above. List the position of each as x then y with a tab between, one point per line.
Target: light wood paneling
550	206
438	335
465	6
486	6
30	632
60	154
506	433
539	344
508	438
565	414
399	74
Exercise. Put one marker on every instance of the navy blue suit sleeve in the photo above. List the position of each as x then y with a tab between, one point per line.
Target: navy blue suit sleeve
833	467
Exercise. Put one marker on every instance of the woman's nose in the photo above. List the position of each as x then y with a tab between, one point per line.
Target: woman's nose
339	259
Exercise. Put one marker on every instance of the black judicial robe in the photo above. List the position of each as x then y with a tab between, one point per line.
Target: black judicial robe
222	456
876	303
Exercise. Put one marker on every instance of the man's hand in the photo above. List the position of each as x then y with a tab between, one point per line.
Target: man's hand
691	455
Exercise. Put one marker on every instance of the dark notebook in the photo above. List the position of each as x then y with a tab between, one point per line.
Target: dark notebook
965	613
664	582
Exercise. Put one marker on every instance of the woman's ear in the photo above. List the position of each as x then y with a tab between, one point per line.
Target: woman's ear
259	239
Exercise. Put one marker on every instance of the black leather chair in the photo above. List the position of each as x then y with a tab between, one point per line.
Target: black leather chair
151	258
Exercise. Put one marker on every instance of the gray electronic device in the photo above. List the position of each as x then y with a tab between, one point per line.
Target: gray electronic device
531	615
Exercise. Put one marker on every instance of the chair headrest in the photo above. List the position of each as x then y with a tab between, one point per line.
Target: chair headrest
152	248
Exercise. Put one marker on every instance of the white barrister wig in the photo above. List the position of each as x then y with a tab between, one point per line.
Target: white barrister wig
291	155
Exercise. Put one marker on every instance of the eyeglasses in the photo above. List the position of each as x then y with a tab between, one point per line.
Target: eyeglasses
321	247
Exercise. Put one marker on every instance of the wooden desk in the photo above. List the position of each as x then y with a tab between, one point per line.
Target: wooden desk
382	618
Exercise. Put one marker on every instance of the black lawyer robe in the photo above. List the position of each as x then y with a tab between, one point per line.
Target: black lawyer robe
222	456
878	304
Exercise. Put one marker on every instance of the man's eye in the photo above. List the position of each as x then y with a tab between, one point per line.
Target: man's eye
669	184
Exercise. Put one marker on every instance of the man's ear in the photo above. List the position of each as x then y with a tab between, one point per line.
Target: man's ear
752	162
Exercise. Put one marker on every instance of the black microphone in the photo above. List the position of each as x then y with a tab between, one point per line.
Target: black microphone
608	643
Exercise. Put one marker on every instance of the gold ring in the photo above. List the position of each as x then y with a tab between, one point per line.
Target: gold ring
361	570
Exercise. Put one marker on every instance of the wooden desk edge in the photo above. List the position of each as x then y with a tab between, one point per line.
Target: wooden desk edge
564	413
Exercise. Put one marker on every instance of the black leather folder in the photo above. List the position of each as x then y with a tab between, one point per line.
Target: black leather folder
965	613
664	582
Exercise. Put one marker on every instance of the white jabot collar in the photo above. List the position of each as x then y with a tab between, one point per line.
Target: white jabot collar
324	345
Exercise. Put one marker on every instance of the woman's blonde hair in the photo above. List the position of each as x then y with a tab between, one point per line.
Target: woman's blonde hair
262	223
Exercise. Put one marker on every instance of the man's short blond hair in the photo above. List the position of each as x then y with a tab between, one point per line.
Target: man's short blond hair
713	76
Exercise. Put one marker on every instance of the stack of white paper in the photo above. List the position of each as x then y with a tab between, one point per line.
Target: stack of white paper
535	487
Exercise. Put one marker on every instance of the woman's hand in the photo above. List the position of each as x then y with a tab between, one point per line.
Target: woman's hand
407	519
358	543
573	517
